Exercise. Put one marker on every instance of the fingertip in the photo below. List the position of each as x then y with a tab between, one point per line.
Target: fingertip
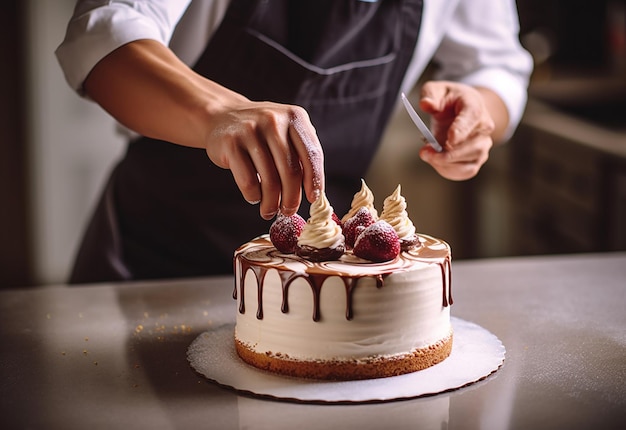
425	153
315	186
314	194
288	211
427	104
427	89
268	215
431	95
311	154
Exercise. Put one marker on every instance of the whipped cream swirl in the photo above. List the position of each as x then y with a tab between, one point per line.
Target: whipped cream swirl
394	212
320	230
364	198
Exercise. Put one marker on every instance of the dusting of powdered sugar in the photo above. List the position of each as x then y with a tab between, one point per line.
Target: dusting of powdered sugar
312	146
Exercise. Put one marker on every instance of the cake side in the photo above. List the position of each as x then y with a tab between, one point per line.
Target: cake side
367	368
343	314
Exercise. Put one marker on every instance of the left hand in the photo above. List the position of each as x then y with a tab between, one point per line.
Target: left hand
462	124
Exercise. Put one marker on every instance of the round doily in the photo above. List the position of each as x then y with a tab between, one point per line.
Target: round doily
476	353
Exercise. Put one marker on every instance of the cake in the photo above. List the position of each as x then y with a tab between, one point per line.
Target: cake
331	310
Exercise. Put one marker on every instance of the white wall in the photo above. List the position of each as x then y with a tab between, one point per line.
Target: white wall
73	146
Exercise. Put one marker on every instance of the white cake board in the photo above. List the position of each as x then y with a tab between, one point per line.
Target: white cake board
476	353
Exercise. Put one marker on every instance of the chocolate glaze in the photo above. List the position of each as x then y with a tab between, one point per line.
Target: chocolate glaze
407	244
446	270
320	254
260	256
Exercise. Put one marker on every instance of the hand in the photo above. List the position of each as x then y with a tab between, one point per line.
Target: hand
271	150
463	125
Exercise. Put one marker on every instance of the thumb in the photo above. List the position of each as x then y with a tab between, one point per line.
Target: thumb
432	96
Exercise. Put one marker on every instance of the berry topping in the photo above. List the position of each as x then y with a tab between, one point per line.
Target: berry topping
285	231
336	219
362	218
379	242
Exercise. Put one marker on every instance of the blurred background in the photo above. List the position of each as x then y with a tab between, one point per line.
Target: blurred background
559	185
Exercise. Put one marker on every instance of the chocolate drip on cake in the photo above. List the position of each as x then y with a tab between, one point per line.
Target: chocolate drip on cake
446	276
286	279
316	278
350	284
448	263
315	282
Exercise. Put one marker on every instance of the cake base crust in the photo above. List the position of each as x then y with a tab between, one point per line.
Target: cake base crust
369	368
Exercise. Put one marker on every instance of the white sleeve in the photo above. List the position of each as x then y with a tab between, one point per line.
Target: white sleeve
481	47
98	27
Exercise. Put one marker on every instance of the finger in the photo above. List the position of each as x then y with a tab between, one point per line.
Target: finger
436	96
461	162
462	113
433	96
310	154
289	169
246	177
268	177
470	121
457	171
475	149
460	171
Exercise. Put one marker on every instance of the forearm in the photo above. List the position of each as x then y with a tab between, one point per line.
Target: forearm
271	149
498	112
147	88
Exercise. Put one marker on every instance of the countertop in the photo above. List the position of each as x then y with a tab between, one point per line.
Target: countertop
114	355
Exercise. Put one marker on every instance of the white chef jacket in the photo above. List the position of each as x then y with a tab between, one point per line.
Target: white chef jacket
472	41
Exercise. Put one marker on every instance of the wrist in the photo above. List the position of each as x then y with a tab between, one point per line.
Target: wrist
497	110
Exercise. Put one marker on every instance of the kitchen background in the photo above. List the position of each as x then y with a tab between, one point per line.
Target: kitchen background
559	185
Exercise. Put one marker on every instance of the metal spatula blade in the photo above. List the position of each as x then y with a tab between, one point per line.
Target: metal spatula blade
428	136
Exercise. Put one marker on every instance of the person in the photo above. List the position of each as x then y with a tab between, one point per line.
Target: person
234	104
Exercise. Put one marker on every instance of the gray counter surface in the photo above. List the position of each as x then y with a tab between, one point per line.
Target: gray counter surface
114	355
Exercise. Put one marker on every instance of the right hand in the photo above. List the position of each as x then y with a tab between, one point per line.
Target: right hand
272	150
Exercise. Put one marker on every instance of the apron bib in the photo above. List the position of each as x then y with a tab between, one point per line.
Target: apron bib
168	211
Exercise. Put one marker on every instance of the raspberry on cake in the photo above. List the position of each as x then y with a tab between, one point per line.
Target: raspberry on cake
284	232
362	218
382	313
379	242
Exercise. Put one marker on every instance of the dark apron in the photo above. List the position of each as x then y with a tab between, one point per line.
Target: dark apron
167	211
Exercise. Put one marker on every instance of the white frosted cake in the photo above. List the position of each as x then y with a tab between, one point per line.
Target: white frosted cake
303	314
